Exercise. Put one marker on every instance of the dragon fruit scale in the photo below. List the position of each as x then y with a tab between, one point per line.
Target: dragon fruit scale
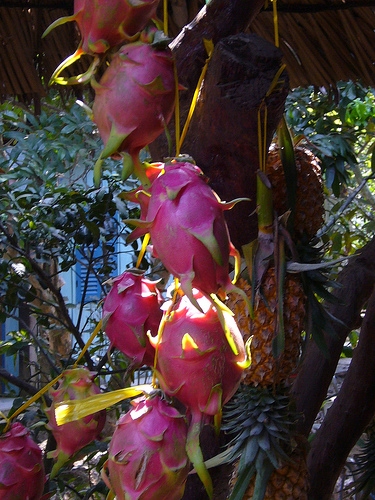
76	383
103	24
130	310
146	456
185	214
134	101
22	474
197	365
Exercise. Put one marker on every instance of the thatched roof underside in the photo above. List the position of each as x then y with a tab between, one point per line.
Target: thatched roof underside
322	47
323	41
26	59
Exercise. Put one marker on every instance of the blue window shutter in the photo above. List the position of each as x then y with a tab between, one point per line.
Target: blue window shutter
88	287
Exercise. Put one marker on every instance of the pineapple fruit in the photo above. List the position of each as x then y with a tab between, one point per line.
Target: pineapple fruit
271	459
309	210
274	460
265	370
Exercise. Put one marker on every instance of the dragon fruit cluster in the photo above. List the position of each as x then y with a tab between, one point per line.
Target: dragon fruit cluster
192	341
135	97
197	349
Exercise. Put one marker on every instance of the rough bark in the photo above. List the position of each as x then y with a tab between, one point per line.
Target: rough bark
311	386
351	412
217	20
223	136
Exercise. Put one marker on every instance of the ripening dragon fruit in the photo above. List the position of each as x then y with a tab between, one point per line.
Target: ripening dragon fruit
130	310
22	474
146	456
195	362
76	383
199	366
185	215
134	101
104	24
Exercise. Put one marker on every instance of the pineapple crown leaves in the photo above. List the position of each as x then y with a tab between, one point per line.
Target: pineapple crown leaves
261	420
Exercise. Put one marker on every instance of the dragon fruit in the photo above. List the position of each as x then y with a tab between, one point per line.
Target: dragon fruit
195	362
22	474
146	456
103	24
131	308
197	365
185	215
76	383
134	101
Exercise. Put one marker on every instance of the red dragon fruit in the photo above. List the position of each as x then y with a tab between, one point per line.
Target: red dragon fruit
197	365
130	310
76	383
103	24
22	474
134	101
185	215
147	455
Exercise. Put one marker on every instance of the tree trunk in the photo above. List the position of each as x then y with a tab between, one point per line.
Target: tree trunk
217	20
233	106
223	140
351	412
312	383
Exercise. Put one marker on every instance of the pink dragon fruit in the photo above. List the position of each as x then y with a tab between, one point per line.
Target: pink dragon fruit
76	383
134	101
22	474
195	362
103	24
185	215
131	308
147	456
197	365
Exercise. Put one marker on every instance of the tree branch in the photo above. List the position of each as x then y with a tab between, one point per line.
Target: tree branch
351	412
310	388
21	384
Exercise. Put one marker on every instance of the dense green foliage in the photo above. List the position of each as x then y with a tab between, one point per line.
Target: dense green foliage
339	127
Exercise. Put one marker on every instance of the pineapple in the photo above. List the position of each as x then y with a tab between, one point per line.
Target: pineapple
271	461
288	482
265	370
309	210
272	464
